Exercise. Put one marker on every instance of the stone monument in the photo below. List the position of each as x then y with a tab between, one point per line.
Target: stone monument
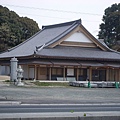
19	76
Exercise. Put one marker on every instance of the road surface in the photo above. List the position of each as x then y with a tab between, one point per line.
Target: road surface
57	108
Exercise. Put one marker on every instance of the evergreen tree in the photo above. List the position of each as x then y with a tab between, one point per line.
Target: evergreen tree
110	28
14	29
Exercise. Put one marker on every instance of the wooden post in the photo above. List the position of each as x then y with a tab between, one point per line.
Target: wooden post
119	75
28	71
77	73
115	74
90	73
107	74
35	72
50	73
38	72
63	73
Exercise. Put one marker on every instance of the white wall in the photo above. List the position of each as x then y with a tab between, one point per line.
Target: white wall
78	37
7	69
31	72
25	71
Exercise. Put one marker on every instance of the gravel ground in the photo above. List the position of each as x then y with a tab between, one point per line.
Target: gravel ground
59	95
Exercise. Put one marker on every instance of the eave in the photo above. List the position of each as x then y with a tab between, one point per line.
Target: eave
76	58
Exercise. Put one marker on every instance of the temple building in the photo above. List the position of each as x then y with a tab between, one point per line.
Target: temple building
65	51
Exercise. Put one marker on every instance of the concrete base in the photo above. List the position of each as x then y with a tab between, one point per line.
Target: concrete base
20	84
95	84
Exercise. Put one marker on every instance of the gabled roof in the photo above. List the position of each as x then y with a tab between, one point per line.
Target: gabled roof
45	37
46	43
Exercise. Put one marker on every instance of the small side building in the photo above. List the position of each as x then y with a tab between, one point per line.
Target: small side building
65	51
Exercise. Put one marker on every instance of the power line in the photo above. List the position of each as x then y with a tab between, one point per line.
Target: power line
43	16
54	17
54	10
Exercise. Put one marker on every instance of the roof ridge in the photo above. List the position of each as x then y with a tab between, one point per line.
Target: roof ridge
72	25
62	24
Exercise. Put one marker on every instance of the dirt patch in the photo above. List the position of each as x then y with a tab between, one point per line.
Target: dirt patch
4	77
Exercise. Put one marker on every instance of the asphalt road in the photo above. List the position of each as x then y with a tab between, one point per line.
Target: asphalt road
59	95
57	108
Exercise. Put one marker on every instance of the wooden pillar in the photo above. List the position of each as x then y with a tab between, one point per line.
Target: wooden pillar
77	74
63	73
90	73
119	75
0	69
111	74
39	72
35	72
107	74
28	72
116	74
50	73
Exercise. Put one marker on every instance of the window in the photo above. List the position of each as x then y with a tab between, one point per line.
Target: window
99	75
57	71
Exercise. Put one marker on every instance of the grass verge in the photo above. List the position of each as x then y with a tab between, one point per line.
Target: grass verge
61	84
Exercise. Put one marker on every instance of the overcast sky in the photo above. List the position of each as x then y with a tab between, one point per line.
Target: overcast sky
47	12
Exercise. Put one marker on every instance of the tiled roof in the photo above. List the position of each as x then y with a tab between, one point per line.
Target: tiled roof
78	53
38	43
47	35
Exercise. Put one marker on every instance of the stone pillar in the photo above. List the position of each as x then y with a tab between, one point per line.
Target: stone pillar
13	70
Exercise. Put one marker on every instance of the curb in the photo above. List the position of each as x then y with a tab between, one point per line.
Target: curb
20	103
10	102
72	104
61	116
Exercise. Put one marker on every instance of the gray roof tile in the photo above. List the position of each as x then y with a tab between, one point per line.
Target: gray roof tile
46	36
51	34
78	52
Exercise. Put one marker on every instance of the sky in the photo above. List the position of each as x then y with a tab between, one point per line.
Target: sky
48	12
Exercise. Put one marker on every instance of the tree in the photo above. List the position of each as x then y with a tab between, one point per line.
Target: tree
14	29
110	28
4	34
